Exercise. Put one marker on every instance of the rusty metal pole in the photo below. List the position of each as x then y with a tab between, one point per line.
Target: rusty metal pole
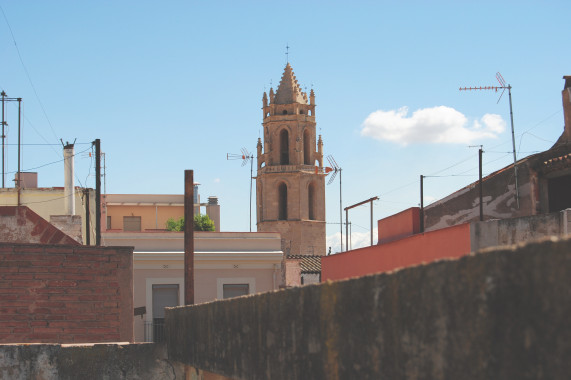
421	203
188	237
480	186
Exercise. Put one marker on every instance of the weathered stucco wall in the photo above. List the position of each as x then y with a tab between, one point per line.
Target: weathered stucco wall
499	200
492	233
500	314
100	361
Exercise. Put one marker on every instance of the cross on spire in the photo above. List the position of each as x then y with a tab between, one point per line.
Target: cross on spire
287	53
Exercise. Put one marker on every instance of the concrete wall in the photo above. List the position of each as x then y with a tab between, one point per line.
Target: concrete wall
398	226
498	314
413	250
65	293
101	361
492	233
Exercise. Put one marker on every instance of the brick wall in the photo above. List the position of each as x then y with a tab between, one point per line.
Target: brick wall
65	293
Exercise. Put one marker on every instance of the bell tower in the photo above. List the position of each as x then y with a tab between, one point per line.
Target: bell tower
290	184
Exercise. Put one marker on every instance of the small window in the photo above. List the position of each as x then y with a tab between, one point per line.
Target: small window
311	201
108	222
284	147
301	112
285	112
282	201
306	147
235	290
131	223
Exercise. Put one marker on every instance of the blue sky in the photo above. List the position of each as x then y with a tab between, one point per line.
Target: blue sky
176	85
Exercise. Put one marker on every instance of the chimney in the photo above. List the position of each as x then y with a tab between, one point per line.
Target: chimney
28	180
196	199
68	192
213	211
566	95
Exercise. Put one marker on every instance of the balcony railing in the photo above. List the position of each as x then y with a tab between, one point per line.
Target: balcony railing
155	331
291	168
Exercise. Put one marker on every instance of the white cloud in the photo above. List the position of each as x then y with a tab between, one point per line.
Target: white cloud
216	180
433	125
429	199
357	240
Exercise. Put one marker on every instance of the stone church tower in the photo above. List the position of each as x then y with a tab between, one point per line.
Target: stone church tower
290	184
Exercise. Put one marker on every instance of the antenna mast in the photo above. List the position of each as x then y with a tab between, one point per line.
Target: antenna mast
245	157
336	169
504	87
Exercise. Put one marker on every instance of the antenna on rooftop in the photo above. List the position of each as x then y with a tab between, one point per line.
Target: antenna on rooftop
503	87
336	169
245	157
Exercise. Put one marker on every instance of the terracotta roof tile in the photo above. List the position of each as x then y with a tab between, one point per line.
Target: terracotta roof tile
308	264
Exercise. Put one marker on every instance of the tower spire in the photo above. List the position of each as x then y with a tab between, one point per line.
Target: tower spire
289	91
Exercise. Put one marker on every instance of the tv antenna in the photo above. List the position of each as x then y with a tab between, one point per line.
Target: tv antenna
245	157
503	87
336	169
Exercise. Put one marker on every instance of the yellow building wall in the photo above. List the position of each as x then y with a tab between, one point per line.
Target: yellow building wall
152	217
51	201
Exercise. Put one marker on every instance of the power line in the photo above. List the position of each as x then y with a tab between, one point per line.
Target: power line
37	144
50	163
27	73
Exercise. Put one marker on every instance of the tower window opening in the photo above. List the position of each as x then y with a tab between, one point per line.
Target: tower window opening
306	147
311	201
301	112
284	112
282	201
284	147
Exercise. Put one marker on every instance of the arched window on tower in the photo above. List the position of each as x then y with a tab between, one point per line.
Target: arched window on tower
282	201
311	201
284	147
306	147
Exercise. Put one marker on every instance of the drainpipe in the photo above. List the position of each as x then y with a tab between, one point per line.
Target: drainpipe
68	192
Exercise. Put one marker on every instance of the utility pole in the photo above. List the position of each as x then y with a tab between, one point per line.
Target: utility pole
87	217
3	137
97	143
19	151
480	185
421	203
5	99
480	151
503	87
